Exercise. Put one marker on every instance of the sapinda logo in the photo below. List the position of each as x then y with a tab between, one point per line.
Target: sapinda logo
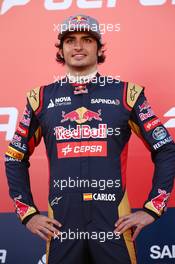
43	260
65	4
165	252
3	255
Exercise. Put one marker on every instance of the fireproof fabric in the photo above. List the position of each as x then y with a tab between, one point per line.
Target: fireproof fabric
86	135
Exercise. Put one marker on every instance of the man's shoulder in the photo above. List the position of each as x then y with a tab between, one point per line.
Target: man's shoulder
131	92
36	94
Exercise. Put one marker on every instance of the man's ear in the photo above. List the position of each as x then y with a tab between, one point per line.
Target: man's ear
61	53
100	52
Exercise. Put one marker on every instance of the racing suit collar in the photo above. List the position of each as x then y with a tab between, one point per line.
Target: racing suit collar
81	79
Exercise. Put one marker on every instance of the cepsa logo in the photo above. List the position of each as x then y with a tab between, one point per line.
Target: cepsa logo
3	255
83	4
165	252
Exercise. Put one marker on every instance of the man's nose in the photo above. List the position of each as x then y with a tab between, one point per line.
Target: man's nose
78	45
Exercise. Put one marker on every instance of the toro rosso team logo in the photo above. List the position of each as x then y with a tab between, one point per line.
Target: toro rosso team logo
159	202
81	115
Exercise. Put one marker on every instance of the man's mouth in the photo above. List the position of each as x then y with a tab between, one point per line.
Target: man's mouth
79	56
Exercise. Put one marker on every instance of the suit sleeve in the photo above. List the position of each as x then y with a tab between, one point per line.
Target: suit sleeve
157	139
25	139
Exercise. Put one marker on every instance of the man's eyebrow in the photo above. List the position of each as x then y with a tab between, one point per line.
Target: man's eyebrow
88	36
68	37
73	37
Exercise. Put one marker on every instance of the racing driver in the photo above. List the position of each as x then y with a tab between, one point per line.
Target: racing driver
86	126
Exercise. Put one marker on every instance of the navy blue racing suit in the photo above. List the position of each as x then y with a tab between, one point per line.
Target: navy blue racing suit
86	134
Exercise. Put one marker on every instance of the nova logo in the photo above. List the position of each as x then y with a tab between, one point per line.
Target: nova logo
65	4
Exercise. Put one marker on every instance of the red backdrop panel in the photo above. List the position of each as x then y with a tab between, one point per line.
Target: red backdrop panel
142	52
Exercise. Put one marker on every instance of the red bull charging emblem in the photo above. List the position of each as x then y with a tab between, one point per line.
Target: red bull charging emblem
81	115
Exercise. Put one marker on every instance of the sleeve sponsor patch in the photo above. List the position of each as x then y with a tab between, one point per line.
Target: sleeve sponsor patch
158	203
14	153
23	210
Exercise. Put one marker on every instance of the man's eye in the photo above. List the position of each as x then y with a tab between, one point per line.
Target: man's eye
69	41
88	40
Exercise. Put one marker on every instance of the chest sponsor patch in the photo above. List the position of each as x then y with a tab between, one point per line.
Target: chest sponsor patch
81	115
105	101
83	131
82	149
59	102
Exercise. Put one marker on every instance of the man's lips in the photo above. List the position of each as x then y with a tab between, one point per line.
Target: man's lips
79	56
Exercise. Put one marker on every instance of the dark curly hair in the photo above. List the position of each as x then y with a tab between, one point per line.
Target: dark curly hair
100	59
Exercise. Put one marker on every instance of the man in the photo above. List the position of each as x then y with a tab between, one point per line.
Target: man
86	126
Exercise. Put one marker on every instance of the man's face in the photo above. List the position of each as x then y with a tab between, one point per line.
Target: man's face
80	50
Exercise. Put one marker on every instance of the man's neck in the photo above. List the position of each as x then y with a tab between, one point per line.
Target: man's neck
81	76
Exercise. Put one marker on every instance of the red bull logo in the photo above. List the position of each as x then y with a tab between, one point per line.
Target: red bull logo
72	116
80	132
89	115
81	115
79	19
159	202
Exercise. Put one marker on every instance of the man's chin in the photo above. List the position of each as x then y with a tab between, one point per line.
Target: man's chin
79	65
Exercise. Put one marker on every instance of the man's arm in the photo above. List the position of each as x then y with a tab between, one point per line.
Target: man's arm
25	139
27	136
157	139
